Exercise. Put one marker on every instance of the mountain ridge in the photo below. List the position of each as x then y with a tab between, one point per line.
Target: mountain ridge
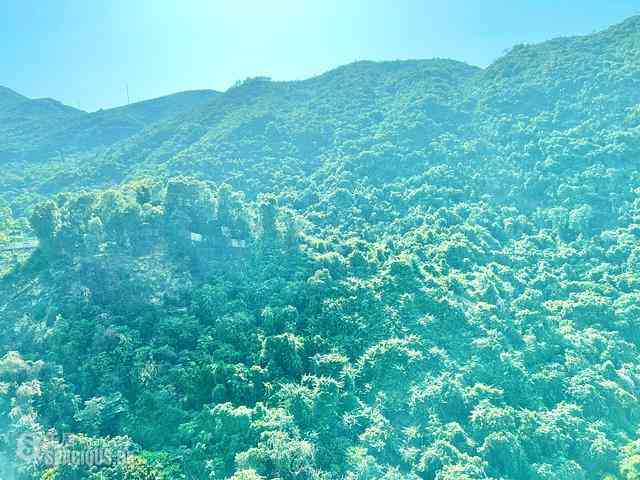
629	24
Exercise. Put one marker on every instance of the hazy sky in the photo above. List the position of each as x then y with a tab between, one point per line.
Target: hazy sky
84	52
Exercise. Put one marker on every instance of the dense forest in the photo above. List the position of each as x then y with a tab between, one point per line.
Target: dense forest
400	270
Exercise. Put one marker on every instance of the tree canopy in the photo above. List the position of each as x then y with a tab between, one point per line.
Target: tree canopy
399	270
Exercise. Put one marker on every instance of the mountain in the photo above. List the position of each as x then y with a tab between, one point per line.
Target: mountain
262	126
106	127
566	76
38	130
45	137
8	97
248	128
25	123
400	270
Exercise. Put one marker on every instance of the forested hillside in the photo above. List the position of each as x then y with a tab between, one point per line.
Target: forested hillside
45	142
400	270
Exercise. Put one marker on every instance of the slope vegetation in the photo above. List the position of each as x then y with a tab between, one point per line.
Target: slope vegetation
401	270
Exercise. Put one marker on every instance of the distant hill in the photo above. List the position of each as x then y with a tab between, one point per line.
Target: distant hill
43	138
392	108
41	129
106	127
570	77
255	124
8	97
25	124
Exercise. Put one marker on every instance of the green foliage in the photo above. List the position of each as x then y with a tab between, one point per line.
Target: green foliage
406	270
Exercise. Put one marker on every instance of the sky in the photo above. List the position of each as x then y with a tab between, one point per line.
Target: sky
85	53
